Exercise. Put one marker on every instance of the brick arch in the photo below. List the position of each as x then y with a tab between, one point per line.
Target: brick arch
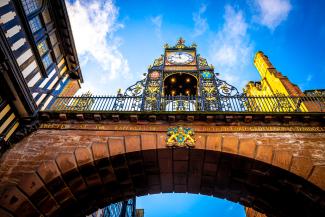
90	173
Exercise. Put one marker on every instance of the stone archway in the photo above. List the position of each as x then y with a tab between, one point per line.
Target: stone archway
73	172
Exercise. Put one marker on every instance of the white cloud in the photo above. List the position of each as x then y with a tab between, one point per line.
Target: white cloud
272	12
232	51
94	24
157	22
200	23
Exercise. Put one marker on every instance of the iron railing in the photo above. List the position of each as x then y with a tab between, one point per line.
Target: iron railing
240	103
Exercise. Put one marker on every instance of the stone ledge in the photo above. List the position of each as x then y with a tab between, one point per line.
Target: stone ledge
210	117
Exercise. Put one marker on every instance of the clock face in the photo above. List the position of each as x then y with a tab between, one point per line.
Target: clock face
180	58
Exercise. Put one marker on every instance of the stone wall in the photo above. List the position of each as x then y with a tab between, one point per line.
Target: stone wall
252	213
57	170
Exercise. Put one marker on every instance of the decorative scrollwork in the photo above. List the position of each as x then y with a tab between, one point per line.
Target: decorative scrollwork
159	61
209	88
316	93
226	89
208	92
151	98
122	101
136	89
83	103
180	45
203	62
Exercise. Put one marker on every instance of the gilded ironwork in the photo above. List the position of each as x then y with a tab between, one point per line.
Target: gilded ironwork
159	61
154	75
84	103
209	88
136	91
320	92
203	63
209	93
180	43
194	45
80	103
152	93
226	89
180	137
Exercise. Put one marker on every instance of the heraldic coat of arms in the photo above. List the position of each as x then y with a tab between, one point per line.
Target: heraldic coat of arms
180	137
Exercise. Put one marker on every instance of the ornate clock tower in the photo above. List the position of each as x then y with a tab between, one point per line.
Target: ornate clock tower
180	79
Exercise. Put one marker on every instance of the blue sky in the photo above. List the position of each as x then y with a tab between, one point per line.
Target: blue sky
179	205
117	40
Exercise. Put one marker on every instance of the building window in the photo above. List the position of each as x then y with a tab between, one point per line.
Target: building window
47	60
46	16
31	5
35	24
57	51
53	39
42	47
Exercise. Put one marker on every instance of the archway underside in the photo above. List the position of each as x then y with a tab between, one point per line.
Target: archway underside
72	173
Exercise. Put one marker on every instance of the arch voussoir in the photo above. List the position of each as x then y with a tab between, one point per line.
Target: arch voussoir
230	144
13	200
87	167
214	142
148	141
68	167
132	143
282	159
247	147
264	153
301	166
33	187
116	145
52	178
317	176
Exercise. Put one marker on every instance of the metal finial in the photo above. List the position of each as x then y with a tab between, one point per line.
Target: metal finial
181	41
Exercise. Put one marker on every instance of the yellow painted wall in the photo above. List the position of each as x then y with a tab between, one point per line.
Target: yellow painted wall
70	88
